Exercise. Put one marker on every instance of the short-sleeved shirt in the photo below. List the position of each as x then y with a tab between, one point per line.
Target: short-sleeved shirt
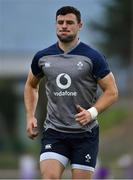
71	80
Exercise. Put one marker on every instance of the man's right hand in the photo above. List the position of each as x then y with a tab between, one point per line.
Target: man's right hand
32	130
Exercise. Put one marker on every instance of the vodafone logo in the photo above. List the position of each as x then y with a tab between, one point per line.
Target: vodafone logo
63	81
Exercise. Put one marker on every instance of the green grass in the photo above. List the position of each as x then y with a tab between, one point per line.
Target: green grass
112	117
8	160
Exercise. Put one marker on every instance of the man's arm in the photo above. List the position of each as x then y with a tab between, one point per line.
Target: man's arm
30	100
108	97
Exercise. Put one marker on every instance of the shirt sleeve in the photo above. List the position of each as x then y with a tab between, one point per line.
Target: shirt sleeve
100	67
35	68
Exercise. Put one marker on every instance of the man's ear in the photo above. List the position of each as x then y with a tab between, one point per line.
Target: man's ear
80	25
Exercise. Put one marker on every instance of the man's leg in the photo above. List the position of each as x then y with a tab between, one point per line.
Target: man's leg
81	174
84	154
51	169
54	155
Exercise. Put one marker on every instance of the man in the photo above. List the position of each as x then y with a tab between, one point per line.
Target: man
72	70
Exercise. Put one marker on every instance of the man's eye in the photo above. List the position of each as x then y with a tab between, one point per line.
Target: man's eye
70	22
60	22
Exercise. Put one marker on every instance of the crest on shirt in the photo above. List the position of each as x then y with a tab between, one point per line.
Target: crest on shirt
80	65
47	64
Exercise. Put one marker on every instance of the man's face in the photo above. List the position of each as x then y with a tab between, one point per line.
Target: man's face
67	27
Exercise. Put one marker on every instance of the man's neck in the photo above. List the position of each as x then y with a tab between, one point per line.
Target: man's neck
67	46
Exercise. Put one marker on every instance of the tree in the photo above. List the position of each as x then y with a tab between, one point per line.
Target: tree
116	28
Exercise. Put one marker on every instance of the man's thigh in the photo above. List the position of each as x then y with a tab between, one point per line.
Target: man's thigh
85	151
53	147
51	169
53	156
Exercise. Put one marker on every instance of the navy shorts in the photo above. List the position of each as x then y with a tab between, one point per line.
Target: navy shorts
80	149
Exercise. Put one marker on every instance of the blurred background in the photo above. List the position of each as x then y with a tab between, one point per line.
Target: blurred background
27	26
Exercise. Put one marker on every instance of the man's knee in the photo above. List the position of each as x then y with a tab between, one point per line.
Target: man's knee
49	175
81	174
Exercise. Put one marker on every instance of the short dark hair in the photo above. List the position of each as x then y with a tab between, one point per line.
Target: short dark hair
67	10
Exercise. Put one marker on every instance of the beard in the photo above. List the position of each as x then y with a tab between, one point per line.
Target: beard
66	39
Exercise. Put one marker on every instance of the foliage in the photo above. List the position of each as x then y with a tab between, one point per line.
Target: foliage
115	28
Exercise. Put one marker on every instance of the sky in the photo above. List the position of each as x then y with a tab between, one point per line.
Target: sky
29	25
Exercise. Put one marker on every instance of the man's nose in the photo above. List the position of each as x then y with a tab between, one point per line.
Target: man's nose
64	25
